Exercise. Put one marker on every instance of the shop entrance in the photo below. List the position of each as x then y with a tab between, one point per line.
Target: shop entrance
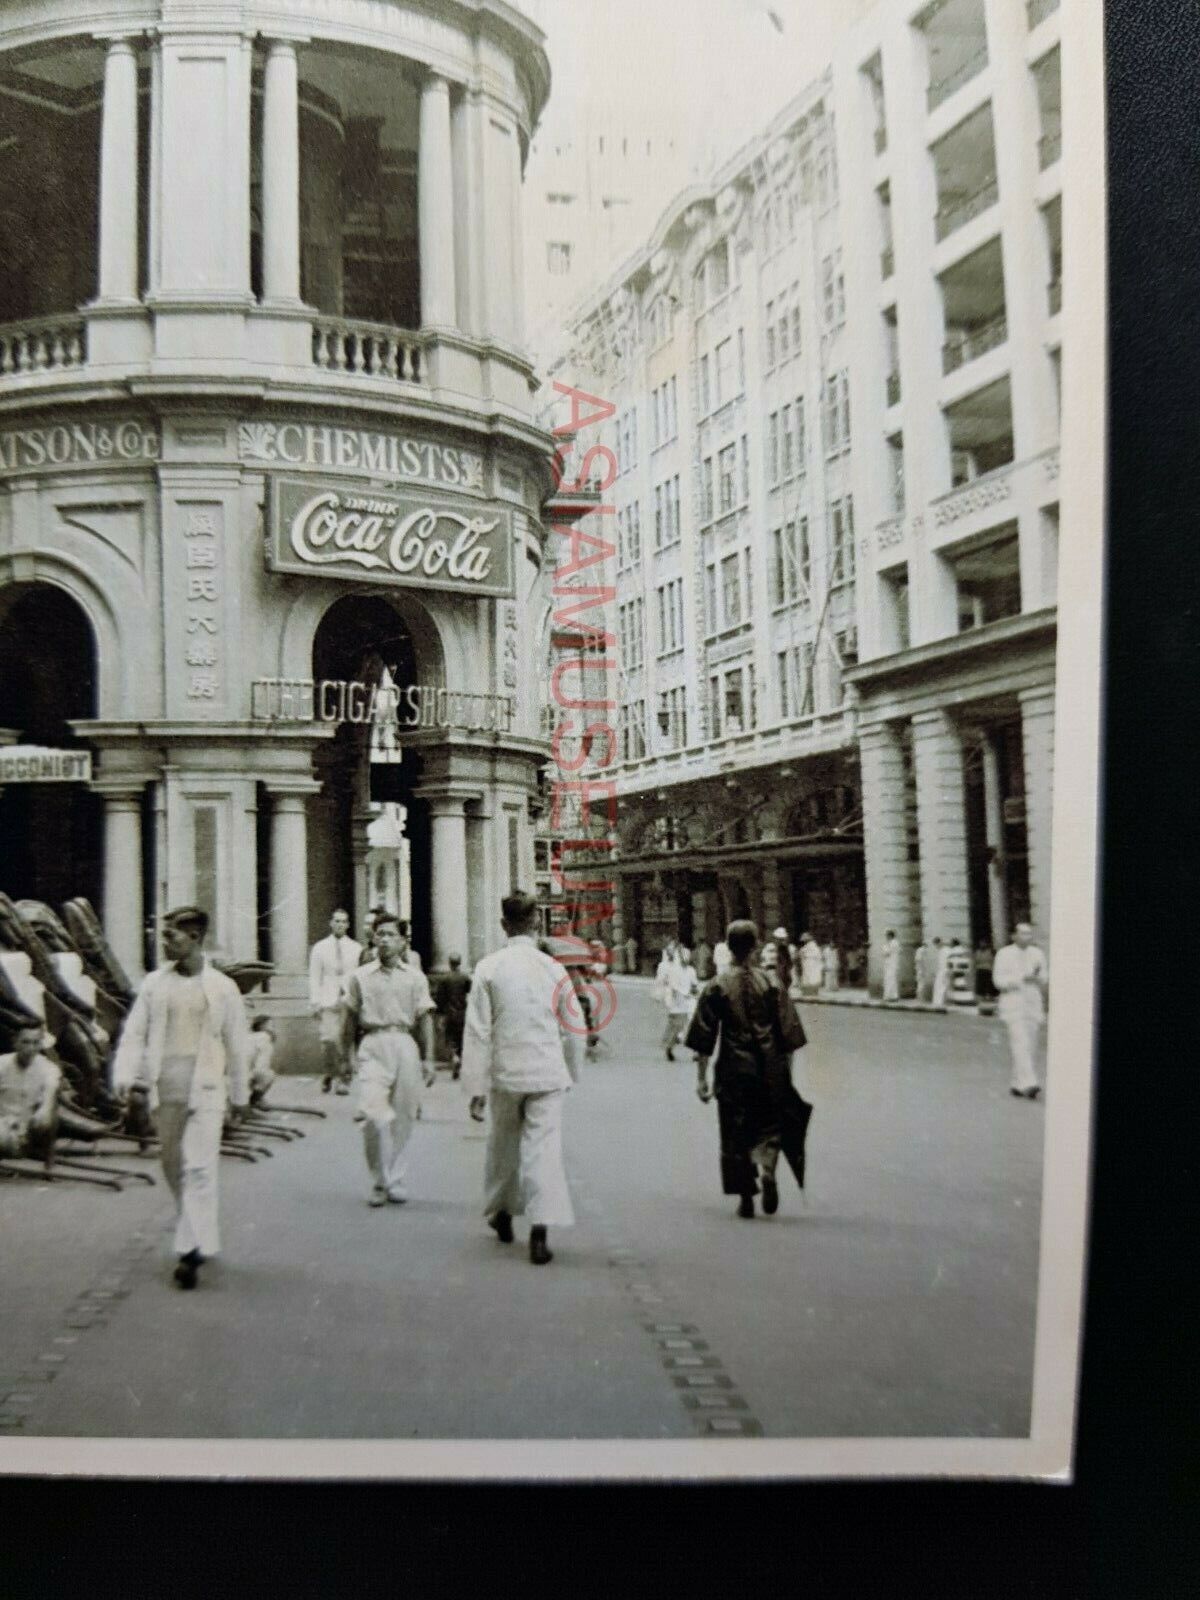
369	841
829	900
51	833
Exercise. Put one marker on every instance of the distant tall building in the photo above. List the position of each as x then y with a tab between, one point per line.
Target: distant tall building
835	367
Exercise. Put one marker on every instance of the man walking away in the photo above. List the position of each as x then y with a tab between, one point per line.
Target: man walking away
941	972
332	961
386	1004
1020	977
453	989
186	1044
746	1016
665	980
520	1057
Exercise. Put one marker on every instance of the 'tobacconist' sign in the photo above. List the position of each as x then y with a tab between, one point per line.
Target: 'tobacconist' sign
422	540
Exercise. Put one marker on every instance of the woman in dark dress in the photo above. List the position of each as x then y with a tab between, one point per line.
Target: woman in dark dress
747	1018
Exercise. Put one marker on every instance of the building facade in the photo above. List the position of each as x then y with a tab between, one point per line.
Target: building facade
272	485
835	371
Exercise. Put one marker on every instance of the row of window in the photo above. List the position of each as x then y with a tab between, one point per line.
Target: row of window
670	616
787	444
627	440
660	321
630	632
632	730
720	496
667	527
629	535
664	413
723	374
782	323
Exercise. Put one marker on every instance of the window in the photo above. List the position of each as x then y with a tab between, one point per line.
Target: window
724	372
704	386
670	616
837	413
707	489
770	334
841	540
734	703
773	448
783	664
803	555
741	354
785	441
714	708
727	468
801	439
745	469
675	527
674	410
795	319
558	259
778	568
731	590
718	270
710	598
833	290
659	517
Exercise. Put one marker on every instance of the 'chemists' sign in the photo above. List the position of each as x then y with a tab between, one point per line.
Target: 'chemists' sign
31	763
421	539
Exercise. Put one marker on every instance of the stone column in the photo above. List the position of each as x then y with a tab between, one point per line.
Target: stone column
1037	730
281	174
942	828
890	900
435	206
289	882
123	895
993	811
118	278
448	850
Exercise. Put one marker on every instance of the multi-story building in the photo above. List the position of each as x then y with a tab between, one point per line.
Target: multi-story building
266	449
835	374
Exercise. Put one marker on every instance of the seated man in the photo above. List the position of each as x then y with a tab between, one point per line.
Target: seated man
28	1097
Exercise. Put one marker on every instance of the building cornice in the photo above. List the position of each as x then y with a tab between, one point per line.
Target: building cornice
925	660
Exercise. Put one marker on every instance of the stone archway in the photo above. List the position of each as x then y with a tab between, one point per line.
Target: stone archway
49	678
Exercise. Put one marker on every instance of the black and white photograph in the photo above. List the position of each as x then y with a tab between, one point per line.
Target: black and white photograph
551	567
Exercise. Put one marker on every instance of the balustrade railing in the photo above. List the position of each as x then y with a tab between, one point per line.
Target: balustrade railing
43	344
368	349
942	88
959	212
968	344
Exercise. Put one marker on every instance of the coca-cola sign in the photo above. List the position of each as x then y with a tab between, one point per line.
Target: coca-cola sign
424	539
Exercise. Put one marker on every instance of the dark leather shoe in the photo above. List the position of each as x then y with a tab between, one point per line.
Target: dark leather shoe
502	1224
770	1197
326	1085
187	1270
539	1251
746	1206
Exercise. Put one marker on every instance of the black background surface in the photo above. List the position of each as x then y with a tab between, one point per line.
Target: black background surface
1123	1527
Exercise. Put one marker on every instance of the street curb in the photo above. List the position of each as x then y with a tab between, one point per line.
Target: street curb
912	1008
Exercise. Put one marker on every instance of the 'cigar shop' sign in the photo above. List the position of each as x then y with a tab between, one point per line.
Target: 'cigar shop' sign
420	539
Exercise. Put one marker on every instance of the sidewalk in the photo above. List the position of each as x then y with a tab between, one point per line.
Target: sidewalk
851	997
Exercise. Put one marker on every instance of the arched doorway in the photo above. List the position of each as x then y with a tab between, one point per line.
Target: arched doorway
366	810
52	833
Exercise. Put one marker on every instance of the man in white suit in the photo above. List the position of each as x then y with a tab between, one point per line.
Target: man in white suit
185	1044
332	961
1019	975
518	1054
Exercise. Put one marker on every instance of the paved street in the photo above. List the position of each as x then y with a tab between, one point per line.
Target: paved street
896	1299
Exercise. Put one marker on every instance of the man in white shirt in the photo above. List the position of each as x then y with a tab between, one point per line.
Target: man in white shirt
185	1044
1020	977
722	958
519	1054
330	964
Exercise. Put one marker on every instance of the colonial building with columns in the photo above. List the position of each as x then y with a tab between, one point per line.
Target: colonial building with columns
835	373
272	489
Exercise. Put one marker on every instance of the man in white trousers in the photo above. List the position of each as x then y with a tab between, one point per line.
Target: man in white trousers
186	1044
520	1055
387	1005
331	962
1019	975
